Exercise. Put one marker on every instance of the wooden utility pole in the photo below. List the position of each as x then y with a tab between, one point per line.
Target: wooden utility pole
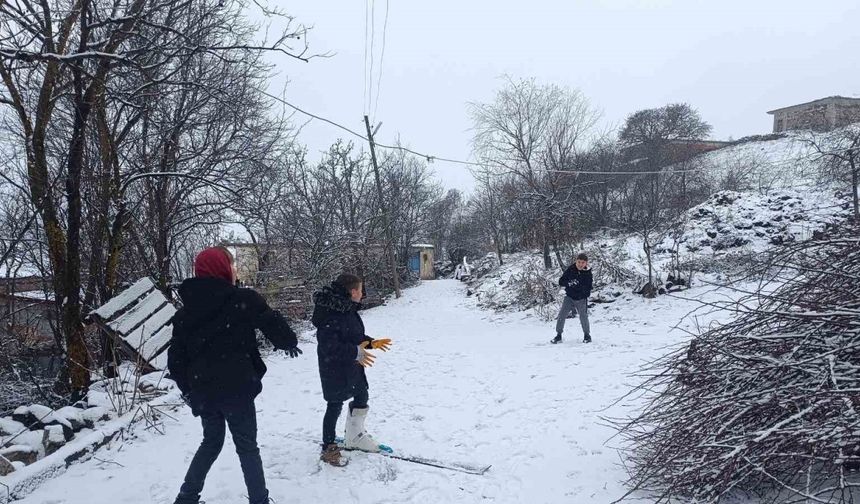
389	249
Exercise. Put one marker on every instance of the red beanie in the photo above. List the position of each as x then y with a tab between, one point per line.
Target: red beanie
213	263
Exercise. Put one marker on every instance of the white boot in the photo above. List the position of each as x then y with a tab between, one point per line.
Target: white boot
356	437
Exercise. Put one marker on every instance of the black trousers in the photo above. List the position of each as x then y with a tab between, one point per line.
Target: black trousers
241	418
332	412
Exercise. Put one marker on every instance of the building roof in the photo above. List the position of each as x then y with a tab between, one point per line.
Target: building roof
820	100
36	296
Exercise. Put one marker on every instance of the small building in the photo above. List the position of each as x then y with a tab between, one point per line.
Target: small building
28	317
421	259
819	115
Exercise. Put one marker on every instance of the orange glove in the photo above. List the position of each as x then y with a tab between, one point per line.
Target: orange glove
383	344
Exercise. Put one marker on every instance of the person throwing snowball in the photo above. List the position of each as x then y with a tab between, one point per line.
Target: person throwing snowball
214	360
577	282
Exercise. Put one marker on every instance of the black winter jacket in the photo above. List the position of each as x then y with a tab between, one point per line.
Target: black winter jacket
339	332
576	283
213	355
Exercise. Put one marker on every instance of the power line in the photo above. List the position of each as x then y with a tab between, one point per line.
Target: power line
364	77
372	40
313	116
381	60
431	158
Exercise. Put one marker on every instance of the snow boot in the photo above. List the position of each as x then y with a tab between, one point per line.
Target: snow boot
555	340
587	338
331	455
356	437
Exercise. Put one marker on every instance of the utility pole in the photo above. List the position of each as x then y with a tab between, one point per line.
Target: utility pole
389	249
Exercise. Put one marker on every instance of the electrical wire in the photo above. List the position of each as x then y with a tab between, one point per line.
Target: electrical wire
431	158
364	77
381	60
372	40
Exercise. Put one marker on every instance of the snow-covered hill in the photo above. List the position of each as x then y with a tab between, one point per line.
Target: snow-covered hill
784	199
762	163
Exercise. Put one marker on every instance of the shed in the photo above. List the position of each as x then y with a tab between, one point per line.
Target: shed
421	259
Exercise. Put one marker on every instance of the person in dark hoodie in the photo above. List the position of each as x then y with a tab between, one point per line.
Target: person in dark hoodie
215	362
342	351
577	282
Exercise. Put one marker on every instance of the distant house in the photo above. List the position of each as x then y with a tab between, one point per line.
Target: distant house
819	115
27	312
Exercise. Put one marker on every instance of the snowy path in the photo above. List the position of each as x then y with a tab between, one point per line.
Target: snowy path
460	384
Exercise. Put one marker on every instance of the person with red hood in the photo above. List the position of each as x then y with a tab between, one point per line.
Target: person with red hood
215	362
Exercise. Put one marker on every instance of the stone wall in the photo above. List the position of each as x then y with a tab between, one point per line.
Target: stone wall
813	116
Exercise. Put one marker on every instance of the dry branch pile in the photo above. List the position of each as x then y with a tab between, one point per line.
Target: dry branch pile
766	405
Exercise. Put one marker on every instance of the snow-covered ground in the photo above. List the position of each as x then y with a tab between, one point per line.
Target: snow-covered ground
460	384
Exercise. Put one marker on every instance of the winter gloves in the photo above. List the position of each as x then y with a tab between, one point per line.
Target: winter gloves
364	358
383	344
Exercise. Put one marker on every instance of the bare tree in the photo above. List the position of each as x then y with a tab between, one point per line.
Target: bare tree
533	132
442	215
411	192
649	136
840	151
655	138
67	64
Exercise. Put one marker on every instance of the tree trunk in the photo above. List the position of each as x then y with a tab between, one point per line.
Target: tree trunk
854	183
547	260
162	247
650	288
76	350
558	256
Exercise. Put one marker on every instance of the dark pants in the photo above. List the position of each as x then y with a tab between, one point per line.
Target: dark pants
242	420
332	412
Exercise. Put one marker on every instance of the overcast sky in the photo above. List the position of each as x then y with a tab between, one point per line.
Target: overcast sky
733	60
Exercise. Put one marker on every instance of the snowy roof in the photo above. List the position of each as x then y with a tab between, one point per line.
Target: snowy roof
25	271
422	245
37	295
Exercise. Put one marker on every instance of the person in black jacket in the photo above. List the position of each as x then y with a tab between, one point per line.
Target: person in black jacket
214	360
342	353
577	282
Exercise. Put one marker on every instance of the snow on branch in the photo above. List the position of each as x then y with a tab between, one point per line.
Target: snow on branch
767	404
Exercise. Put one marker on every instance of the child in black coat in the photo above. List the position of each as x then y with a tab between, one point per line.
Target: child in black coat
342	353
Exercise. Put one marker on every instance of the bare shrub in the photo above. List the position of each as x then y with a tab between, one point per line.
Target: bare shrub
608	267
535	290
765	405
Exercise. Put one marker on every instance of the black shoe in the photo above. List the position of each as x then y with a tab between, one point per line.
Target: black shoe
587	338
557	339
